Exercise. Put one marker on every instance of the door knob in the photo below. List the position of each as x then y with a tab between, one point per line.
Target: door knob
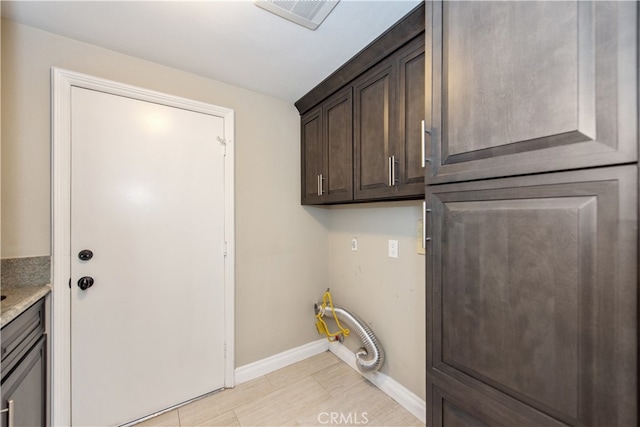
85	283
85	255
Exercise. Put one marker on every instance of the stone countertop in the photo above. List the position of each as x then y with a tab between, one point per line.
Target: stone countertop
18	299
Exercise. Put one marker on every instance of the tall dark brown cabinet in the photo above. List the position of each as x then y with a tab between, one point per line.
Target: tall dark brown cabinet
532	262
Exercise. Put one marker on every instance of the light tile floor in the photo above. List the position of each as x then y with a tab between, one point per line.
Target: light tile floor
319	391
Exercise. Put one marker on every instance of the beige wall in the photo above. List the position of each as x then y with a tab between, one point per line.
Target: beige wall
280	246
286	254
386	293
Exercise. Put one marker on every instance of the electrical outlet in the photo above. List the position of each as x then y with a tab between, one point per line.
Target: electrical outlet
354	244
393	249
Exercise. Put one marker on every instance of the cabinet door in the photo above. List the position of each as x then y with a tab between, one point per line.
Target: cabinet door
408	145
374	114
532	300
337	172
524	87
25	387
311	151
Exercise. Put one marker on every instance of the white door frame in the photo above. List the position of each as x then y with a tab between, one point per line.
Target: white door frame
60	330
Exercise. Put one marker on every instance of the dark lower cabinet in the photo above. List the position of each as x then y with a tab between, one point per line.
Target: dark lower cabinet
23	390
24	370
532	287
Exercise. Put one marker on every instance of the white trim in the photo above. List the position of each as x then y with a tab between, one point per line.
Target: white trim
278	361
406	398
61	83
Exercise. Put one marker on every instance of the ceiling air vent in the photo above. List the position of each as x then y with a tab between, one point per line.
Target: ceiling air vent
308	13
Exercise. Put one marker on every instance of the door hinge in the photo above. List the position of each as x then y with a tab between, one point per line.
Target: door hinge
225	248
224	144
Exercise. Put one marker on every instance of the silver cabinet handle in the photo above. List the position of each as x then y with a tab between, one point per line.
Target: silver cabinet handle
425	239
392	171
9	412
321	186
318	185
424	131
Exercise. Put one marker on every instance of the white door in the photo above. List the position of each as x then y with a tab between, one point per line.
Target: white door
147	199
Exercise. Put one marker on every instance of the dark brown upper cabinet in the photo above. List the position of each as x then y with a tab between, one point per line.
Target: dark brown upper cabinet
312	149
524	87
375	102
387	82
410	109
389	106
327	151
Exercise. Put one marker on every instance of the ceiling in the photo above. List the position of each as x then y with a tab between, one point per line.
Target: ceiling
230	41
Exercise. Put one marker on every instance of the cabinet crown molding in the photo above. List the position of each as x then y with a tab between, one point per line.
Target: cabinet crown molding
410	26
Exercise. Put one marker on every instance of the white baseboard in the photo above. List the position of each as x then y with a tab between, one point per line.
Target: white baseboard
407	399
278	361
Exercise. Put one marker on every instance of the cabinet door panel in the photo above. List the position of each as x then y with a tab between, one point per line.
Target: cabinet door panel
408	147
453	416
374	98
532	293
311	130
448	413
456	404
338	152
522	87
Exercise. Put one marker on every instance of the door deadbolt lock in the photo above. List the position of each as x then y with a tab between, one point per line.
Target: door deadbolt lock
85	255
85	282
